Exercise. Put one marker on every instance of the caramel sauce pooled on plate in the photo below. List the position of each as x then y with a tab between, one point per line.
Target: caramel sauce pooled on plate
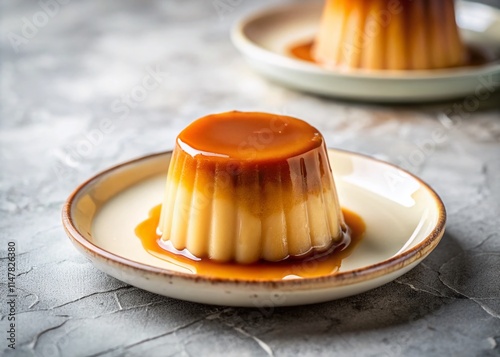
475	55
316	265
303	51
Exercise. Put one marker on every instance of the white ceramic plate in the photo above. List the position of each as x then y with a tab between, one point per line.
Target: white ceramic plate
265	37
404	220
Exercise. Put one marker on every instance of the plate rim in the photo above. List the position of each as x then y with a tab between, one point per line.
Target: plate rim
246	46
350	277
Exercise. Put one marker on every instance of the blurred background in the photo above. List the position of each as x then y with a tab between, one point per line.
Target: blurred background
86	84
89	84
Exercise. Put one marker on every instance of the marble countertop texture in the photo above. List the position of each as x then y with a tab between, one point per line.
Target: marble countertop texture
71	105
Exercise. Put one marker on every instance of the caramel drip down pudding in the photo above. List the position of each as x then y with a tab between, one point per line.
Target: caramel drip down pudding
244	187
389	34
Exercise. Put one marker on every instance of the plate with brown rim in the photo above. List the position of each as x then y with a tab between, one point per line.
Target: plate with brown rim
404	221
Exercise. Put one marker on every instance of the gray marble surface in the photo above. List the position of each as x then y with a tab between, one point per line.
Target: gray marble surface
72	104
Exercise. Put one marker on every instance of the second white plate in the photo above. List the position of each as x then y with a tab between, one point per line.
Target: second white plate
265	37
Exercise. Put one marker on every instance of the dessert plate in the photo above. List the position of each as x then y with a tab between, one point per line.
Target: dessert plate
404	219
265	38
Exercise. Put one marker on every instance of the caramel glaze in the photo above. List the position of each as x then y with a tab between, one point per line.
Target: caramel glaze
316	265
281	153
248	137
256	183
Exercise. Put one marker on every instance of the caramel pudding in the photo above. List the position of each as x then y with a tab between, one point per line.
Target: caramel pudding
248	187
388	34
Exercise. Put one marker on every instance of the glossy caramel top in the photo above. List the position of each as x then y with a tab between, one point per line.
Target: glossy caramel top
248	136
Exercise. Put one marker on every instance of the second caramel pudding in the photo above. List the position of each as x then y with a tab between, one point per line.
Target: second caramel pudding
245	187
389	34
